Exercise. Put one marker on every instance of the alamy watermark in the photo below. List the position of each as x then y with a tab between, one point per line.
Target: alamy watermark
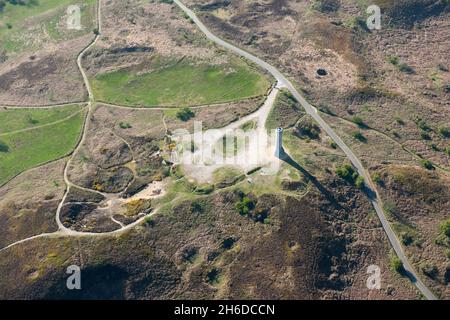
73	21
374	280
373	22
74	280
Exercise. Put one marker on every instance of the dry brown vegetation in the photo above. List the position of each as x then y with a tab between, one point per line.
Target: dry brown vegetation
28	203
48	77
208	250
419	202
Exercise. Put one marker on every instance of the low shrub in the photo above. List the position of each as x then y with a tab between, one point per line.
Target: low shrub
359	136
427	164
397	265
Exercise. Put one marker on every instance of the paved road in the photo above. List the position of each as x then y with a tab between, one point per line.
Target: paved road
284	82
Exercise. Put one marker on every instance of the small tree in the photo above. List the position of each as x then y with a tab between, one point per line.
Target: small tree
445	227
124	125
423	125
397	265
407	238
427	164
345	172
244	206
307	127
185	114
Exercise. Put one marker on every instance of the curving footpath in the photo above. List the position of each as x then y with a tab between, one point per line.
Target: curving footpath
312	111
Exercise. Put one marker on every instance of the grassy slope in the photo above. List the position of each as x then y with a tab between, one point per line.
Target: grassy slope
35	22
13	120
180	85
31	148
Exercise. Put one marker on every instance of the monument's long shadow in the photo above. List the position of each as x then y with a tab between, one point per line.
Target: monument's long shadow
287	158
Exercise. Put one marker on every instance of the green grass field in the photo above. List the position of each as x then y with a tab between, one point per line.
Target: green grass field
181	84
26	27
29	148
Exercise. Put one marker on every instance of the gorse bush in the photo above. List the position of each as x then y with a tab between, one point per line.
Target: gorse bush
390	207
307	128
359	121
393	60
425	136
244	206
447	151
376	177
124	125
427	164
359	136
403	67
359	182
429	270
348	173
397	265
